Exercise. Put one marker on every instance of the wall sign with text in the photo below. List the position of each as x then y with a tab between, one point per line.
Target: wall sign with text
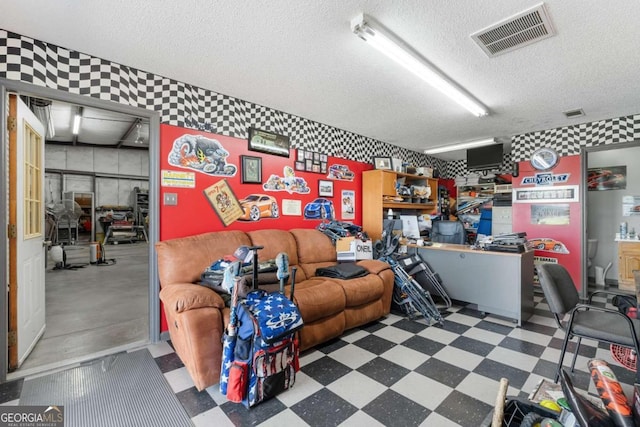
564	193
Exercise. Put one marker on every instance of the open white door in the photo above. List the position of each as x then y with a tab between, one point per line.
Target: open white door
30	252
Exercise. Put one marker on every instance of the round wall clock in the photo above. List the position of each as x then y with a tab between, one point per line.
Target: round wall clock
544	158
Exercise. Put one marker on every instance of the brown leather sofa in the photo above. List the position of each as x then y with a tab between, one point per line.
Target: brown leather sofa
197	315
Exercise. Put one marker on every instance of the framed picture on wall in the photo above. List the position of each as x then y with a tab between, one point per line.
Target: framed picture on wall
224	202
382	163
325	188
300	157
299	166
251	169
607	178
268	142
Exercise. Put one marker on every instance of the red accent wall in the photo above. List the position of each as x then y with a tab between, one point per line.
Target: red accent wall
193	213
567	234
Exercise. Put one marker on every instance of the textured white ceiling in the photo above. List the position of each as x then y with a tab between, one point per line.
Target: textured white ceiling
300	57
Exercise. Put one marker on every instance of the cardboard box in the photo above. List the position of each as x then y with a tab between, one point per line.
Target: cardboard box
425	171
362	249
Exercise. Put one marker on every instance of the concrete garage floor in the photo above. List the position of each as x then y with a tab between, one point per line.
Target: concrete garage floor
95	309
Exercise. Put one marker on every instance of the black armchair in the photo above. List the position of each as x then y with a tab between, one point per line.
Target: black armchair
585	320
448	232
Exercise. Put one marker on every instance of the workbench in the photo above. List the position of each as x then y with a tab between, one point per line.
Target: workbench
124	233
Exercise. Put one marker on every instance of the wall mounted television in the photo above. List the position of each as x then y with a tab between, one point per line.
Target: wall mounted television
484	158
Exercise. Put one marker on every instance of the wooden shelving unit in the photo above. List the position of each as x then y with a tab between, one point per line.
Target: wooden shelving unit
379	186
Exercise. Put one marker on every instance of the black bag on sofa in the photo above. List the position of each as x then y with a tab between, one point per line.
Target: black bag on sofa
342	271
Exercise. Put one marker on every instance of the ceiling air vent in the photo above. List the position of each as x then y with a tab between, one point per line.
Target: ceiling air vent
515	32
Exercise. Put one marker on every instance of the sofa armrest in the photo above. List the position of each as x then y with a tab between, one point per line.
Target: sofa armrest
374	266
187	296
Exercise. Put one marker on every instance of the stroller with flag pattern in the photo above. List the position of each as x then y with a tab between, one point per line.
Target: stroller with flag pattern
260	347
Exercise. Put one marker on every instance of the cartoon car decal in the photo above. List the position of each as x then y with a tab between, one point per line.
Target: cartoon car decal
289	183
320	208
548	245
258	206
201	154
340	172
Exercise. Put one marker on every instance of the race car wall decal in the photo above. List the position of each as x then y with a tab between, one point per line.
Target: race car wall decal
548	245
340	172
201	154
289	182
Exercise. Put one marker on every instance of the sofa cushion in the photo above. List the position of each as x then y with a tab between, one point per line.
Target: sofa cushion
274	242
374	266
317	298
184	259
322	330
363	314
313	246
187	296
361	290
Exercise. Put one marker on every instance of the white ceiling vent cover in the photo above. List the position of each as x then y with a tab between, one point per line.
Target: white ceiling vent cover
515	32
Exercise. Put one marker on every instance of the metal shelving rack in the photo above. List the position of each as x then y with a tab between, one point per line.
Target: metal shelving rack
140	206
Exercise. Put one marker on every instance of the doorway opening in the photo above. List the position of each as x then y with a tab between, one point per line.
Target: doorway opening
611	193
100	226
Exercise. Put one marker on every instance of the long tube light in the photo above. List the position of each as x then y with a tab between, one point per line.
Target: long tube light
461	146
385	43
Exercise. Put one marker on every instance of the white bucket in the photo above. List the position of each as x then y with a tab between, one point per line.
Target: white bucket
93	252
599	276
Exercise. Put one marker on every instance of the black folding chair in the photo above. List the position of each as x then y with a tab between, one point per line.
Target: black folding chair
585	320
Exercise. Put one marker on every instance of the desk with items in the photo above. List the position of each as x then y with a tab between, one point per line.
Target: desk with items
497	282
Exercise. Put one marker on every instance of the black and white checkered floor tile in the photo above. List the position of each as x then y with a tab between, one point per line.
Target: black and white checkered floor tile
399	372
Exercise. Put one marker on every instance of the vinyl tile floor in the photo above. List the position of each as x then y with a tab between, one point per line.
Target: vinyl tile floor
397	371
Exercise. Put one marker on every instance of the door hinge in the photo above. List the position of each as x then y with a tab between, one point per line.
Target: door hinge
12	338
12	123
13	231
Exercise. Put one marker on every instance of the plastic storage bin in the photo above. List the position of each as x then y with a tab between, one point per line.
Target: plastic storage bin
515	410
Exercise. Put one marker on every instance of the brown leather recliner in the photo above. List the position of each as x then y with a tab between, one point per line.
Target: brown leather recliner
197	315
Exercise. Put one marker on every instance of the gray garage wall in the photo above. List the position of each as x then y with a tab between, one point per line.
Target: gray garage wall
111	174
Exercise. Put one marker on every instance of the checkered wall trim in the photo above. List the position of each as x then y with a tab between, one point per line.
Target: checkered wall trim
180	104
570	140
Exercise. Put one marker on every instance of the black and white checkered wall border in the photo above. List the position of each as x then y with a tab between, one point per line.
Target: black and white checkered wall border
180	104
570	140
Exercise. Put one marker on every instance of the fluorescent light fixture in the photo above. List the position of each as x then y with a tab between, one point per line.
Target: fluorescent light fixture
51	130
139	139
385	43
76	124
461	146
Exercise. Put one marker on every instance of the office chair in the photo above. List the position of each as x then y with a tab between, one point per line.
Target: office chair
585	320
448	232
